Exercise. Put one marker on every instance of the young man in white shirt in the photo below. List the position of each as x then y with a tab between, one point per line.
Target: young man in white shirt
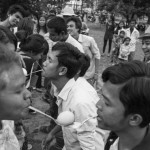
133	34
62	67
57	29
90	48
15	14
125	106
146	46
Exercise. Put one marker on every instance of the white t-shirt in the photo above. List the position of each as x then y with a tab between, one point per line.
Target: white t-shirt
70	40
8	140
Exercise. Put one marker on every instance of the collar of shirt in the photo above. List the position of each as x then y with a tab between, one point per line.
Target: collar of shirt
63	95
114	146
80	39
130	31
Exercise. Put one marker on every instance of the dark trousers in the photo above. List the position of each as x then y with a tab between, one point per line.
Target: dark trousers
105	43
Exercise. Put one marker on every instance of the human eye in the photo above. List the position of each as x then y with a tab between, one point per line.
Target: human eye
20	90
49	59
147	43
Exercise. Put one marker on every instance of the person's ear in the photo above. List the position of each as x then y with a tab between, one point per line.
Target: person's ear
62	71
63	33
135	120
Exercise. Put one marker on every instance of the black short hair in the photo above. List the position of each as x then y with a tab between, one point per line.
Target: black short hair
35	44
25	28
17	8
7	60
127	38
58	24
6	36
77	22
69	56
85	61
135	92
122	31
59	7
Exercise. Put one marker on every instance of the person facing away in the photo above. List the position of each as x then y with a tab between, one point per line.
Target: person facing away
14	97
62	67
15	14
125	106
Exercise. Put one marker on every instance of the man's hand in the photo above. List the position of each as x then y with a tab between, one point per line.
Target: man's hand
47	141
96	77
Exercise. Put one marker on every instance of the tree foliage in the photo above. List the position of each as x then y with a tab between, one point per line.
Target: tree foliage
127	8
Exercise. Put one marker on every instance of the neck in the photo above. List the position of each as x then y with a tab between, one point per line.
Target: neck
42	30
129	139
5	23
60	83
76	36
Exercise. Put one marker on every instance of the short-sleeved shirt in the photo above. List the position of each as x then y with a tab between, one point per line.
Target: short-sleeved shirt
91	49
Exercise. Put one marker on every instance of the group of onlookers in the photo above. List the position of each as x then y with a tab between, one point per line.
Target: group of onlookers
69	62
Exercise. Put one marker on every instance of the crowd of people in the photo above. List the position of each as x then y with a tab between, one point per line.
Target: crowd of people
50	52
124	41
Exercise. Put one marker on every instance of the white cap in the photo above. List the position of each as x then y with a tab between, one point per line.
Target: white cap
68	11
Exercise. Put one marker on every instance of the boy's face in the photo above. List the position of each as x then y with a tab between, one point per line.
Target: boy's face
14	19
55	37
127	42
146	47
132	24
122	35
110	109
14	98
50	66
71	28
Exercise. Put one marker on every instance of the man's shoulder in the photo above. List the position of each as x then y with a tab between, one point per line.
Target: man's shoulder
75	43
86	37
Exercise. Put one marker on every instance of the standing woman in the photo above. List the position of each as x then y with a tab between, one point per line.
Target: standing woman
108	36
41	26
